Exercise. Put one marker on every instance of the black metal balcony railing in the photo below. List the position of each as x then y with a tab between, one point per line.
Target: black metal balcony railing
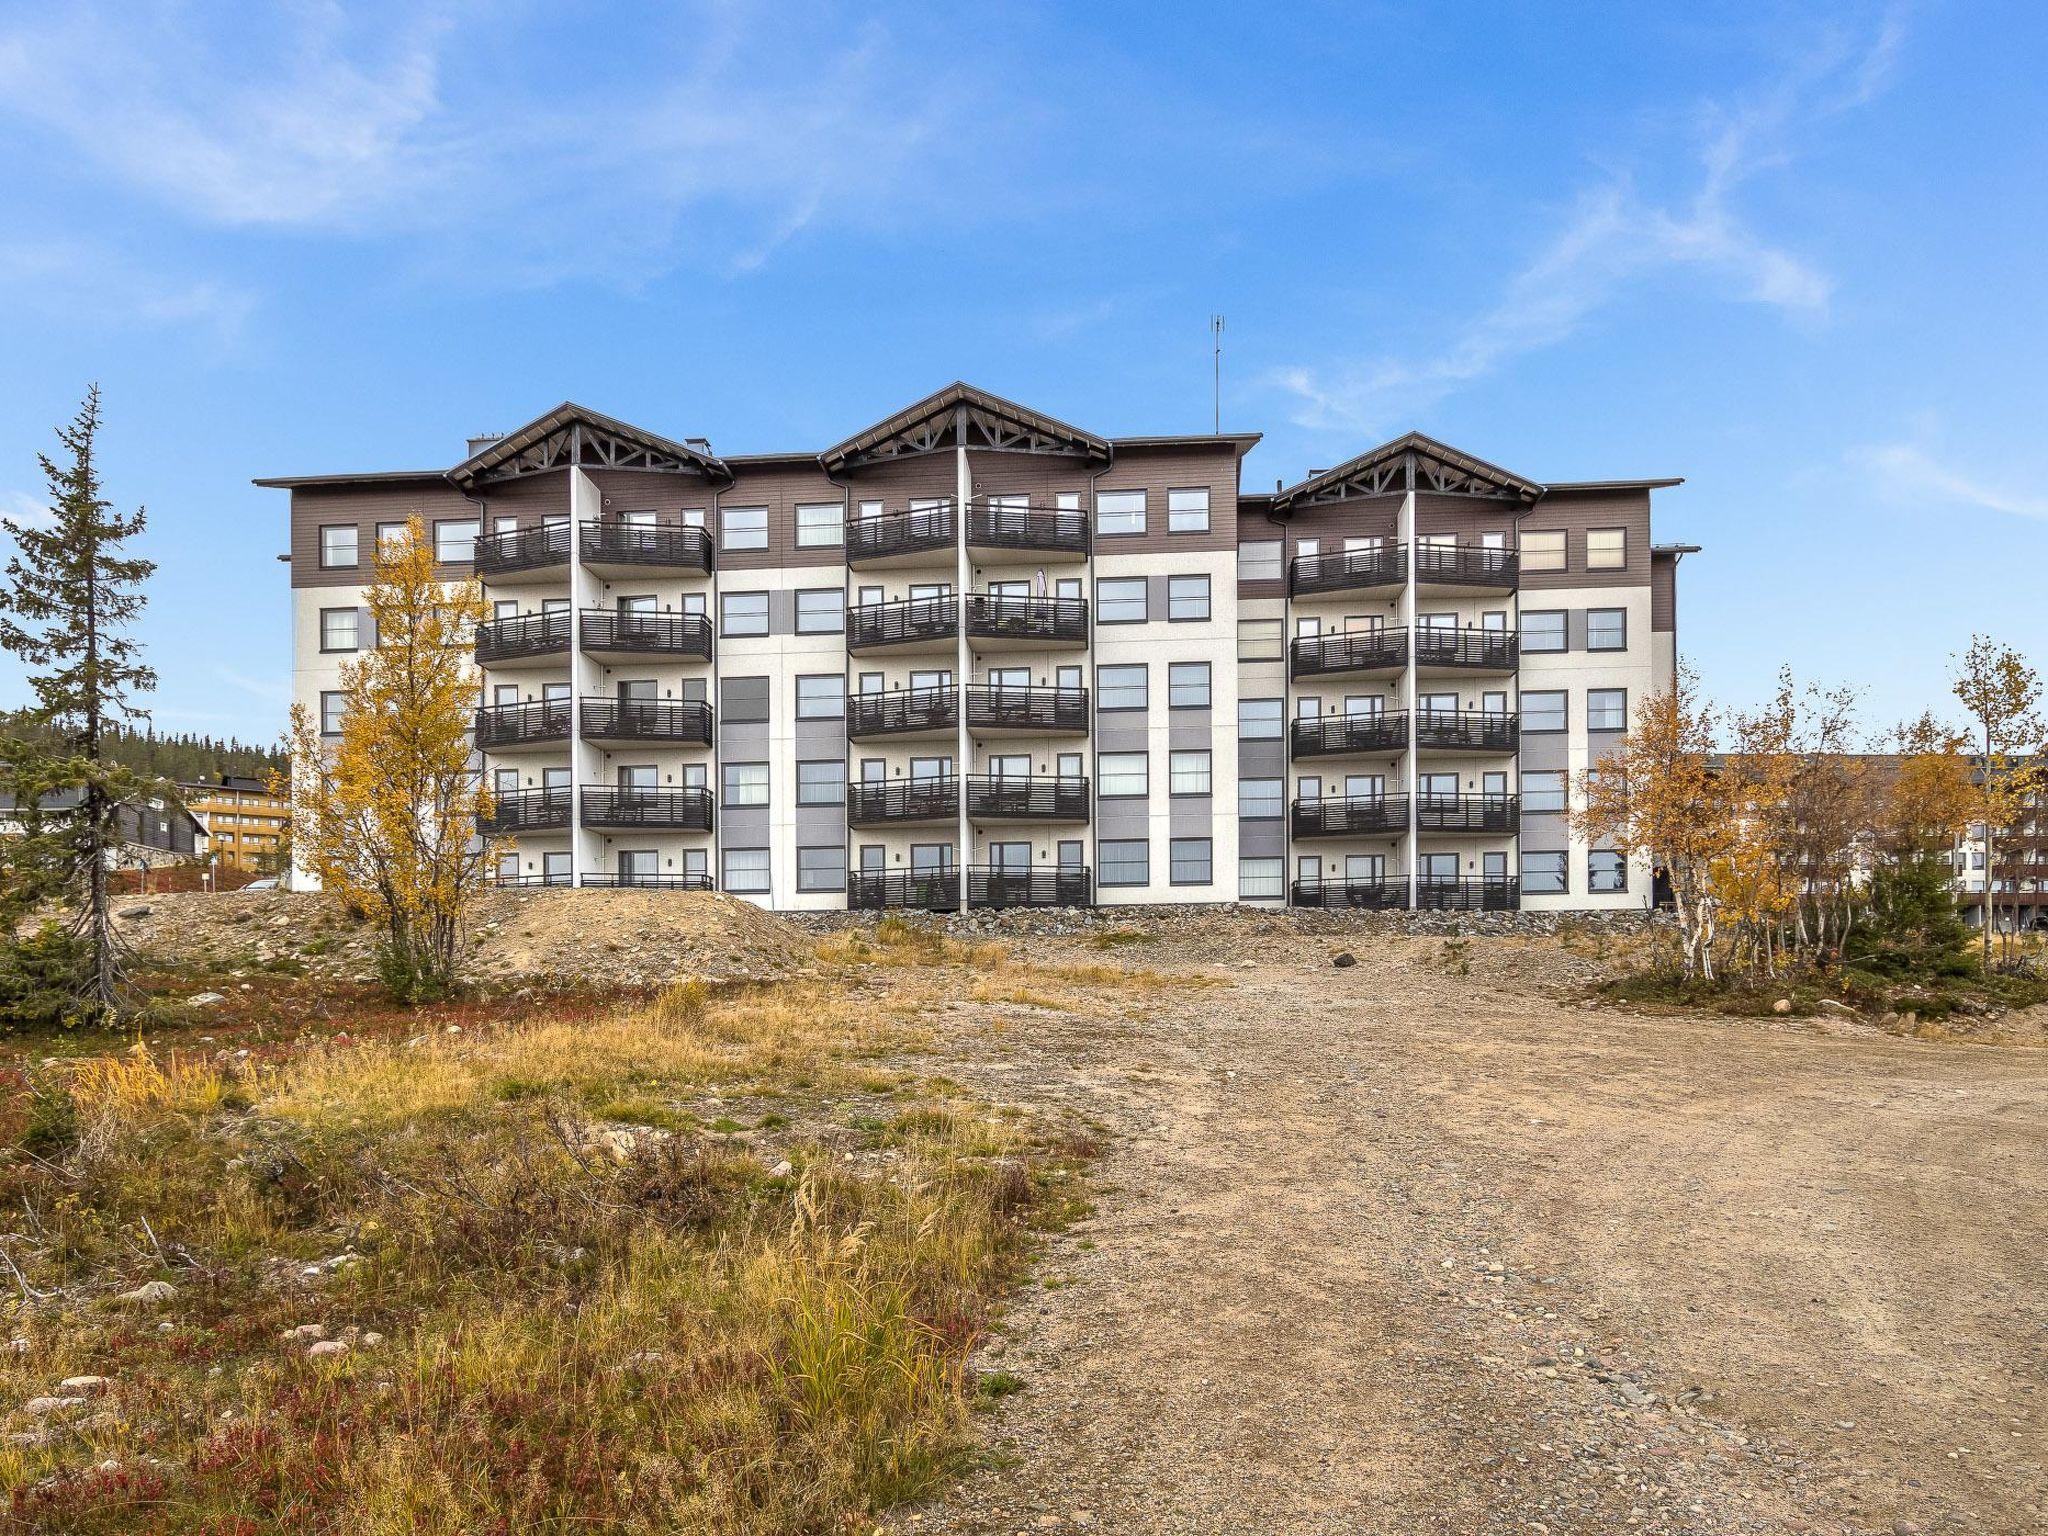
530	634
532	878
637	880
521	549
514	725
1468	813
1465	565
902	621
526	810
680	720
898	800
1490	893
991	616
1000	798
1058	529
682	810
1481	650
1346	570
1326	735
1357	650
1026	709
662	634
642	544
1065	885
1467	730
1350	816
904	890
902	710
1365	895
891	534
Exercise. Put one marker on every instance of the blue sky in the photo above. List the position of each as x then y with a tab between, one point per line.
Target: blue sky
1791	252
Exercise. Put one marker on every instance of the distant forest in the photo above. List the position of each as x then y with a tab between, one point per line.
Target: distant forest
178	755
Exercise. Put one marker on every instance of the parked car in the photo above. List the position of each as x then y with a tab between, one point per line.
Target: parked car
267	883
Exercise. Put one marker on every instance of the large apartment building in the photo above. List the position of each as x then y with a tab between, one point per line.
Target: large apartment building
973	655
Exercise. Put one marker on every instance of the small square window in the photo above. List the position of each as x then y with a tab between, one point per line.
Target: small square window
1542	790
1121	775
337	548
1543	873
1261	799
1121	688
821	697
338	629
333	706
1606	549
820	525
1120	600
746	871
821	611
1187	685
1187	598
1187	511
821	783
1544	711
1261	640
1606	629
1123	861
1187	773
1120	512
821	869
1606	709
1606	871
743	528
455	543
1260	719
1260	560
1261	879
1543	629
1543	550
746	785
1190	861
743	613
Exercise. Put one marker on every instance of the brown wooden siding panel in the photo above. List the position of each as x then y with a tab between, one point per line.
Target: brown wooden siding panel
317	507
1357	517
1466	516
1576	511
1664	594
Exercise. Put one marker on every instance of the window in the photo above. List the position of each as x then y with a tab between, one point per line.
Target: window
455	543
1189	861
1120	688
820	525
1261	639
821	697
1606	629
1187	773
746	871
821	783
332	707
1543	629
1123	861
1120	512
821	611
1543	711
1606	549
1187	685
821	869
392	536
1120	600
1261	879
746	784
1606	870
1259	560
1543	551
1606	709
1261	799
337	548
1542	790
1120	775
1542	873
338	629
1188	511
743	613
1260	719
743	528
1187	598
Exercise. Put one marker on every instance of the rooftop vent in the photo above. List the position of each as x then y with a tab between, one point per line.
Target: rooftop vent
701	444
482	441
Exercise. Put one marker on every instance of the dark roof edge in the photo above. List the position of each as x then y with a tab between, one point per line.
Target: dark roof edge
1664	483
1243	442
1674	550
372	477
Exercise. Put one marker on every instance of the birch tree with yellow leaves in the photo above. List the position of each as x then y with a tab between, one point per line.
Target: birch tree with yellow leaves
385	814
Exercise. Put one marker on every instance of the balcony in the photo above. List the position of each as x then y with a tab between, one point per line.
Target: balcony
1491	893
526	810
1351	816
897	802
1467	730
1381	569
1466	650
522	554
1468	813
680	721
625	549
904	890
1357	895
512	727
908	624
528	640
634	880
997	622
916	537
640	636
1003	798
938	890
1039	530
1029	711
668	810
903	712
1357	650
1335	735
529	881
1465	567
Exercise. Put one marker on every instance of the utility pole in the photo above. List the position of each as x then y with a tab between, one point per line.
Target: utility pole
1216	342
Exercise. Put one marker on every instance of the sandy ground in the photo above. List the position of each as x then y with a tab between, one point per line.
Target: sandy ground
1395	1249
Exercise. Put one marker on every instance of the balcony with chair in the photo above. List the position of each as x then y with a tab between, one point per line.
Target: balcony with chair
1359	652
630	549
682	722
1039	798
993	710
902	802
995	530
906	624
1355	895
1350	816
539	723
904	713
1467	730
633	810
620	634
1379	732
529	640
917	536
522	555
999	622
1471	814
904	890
1065	885
526	810
1381	569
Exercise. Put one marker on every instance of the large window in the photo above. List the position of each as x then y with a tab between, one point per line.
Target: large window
1606	629
820	525
821	869
332	707
337	548
1123	861
746	871
338	627
1187	598
1261	799
1191	861
1606	709
1606	549
1261	879
1120	775
1544	711
1542	790
821	783
743	613
821	611
821	697
1542	873
1260	719
1187	685
743	528
455	543
1543	629
1120	688
1188	511
1120	512
1261	639
1606	871
746	784
1543	550
1260	560
1187	773
1120	600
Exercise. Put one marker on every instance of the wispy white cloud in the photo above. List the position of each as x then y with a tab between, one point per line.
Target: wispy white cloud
270	690
96	285
24	509
1907	471
1615	236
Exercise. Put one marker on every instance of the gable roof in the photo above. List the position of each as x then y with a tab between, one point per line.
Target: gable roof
1436	467
575	434
986	421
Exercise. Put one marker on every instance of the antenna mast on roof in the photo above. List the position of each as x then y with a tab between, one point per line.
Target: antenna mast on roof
1216	340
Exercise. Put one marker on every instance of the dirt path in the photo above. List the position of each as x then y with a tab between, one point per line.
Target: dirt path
1381	1249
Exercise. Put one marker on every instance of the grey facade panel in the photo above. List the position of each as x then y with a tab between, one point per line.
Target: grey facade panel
743	701
1191	815
745	828
820	826
743	743
1189	728
1261	759
1546	751
1544	832
1261	839
1123	731
1120	818
819	739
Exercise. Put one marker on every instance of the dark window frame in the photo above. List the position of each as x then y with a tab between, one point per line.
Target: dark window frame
341	650
1209	861
1564	631
1144	585
1620	613
1144	755
1208	599
353	564
767	616
1102	864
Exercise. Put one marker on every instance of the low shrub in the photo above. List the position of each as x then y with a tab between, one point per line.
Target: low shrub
42	978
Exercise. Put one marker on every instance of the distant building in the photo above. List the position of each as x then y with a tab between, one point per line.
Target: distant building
2019	884
244	822
153	833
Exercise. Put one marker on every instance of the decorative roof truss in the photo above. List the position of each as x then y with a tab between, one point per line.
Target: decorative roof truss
571	435
961	414
1411	462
